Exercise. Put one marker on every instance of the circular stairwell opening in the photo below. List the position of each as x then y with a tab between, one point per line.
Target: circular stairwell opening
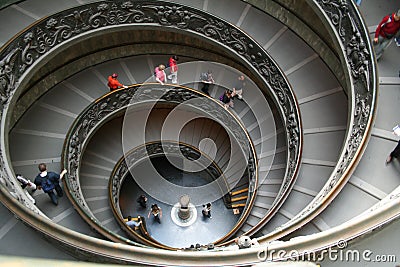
211	135
171	230
194	165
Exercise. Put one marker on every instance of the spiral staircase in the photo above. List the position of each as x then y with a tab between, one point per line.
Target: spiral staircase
321	178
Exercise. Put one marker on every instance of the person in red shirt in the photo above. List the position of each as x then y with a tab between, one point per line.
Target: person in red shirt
173	69
386	30
113	83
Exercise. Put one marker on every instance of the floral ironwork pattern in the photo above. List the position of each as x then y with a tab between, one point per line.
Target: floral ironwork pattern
34	43
37	41
359	57
93	116
157	148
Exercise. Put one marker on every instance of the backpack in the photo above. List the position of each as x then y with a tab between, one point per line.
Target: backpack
221	98
47	185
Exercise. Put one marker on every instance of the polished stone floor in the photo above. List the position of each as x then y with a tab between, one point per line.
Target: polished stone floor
202	231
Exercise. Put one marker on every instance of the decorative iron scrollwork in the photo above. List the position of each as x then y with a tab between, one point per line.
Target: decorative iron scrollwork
357	53
95	114
37	41
157	148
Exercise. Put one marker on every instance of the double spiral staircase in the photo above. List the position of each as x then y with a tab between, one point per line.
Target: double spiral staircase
301	157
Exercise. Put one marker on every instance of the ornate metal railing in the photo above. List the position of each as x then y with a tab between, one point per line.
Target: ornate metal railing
21	53
154	149
353	39
95	115
32	45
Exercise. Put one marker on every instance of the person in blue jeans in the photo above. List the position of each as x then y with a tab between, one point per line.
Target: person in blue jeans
49	181
133	224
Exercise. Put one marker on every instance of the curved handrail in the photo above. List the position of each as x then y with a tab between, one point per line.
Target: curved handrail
316	246
379	215
353	39
372	105
145	237
121	170
144	232
359	105
161	14
114	103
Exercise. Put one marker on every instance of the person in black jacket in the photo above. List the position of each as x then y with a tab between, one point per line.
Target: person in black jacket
226	98
207	79
142	200
48	181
